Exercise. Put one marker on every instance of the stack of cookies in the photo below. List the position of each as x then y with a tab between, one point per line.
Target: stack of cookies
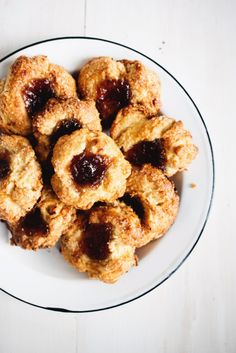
86	161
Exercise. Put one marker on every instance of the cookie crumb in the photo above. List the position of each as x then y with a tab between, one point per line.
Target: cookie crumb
193	186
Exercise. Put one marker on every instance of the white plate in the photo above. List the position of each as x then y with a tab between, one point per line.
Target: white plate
43	278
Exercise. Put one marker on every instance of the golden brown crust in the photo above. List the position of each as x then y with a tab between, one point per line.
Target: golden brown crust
21	188
95	72
157	195
56	215
57	110
134	124
144	84
13	115
121	250
125	222
114	182
2	83
136	207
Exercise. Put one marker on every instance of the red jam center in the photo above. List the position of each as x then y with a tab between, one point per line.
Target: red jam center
4	165
95	242
148	152
36	95
135	203
88	169
64	127
33	224
112	95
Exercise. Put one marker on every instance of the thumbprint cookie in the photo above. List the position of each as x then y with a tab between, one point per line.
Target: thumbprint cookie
89	167
101	242
30	82
158	140
153	198
20	178
44	224
115	84
61	117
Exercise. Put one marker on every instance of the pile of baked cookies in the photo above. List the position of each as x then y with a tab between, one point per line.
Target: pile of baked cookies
62	178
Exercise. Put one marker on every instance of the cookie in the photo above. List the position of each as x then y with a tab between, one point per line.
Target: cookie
20	178
30	82
116	84
2	83
101	243
159	140
89	167
153	198
44	225
62	117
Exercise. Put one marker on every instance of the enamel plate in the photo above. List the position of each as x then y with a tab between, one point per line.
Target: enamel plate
43	278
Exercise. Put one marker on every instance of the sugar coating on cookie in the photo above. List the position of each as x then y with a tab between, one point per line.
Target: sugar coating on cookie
116	84
44	224
30	82
159	140
62	117
101	243
154	199
89	167
20	177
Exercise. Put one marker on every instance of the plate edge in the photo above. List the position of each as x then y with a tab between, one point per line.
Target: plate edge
213	174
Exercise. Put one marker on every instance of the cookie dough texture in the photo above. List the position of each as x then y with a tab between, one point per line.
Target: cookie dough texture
144	84
21	188
14	118
112	185
2	83
134	124
157	196
57	217
63	110
125	229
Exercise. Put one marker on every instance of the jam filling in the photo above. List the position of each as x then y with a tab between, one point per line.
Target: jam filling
36	95
95	242
88	169
4	165
64	127
135	203
112	95
33	224
148	152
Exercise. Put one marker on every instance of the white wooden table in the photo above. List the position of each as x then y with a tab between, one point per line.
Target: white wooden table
195	310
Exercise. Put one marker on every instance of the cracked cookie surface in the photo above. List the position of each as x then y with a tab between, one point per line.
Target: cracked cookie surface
61	117
101	243
89	167
44	224
154	199
115	84
159	140
20	177
30	82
